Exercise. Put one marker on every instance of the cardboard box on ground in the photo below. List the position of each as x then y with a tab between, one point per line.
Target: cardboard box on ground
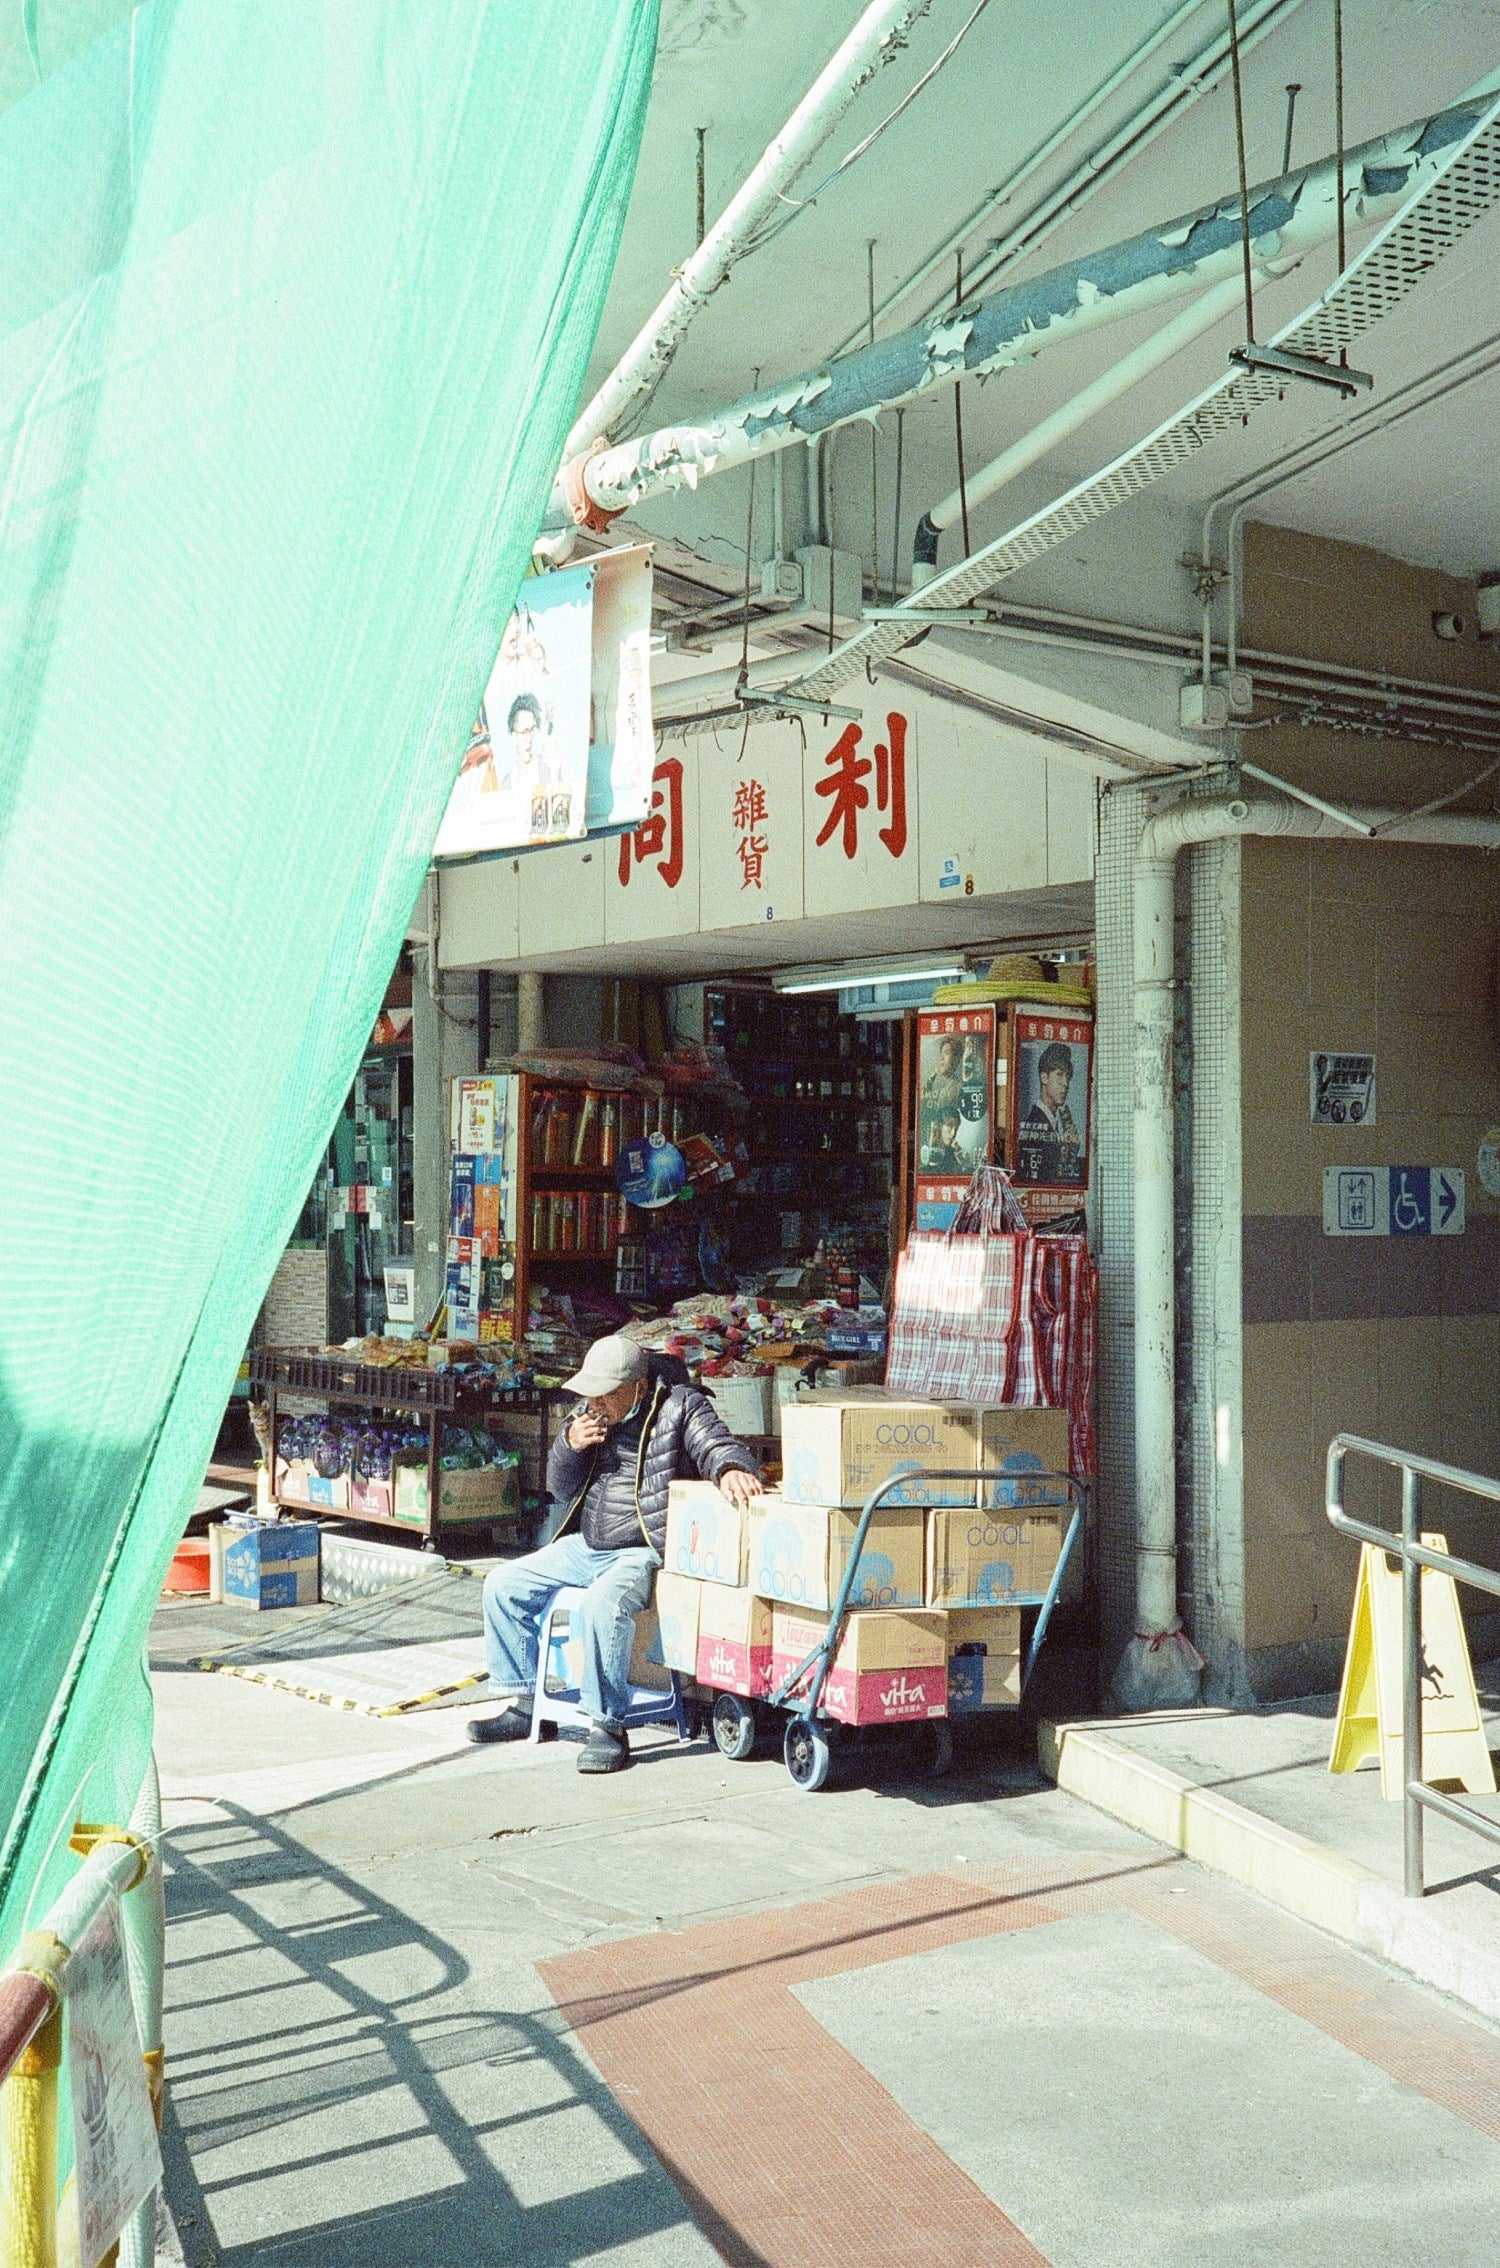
270	1563
838	1448
890	1667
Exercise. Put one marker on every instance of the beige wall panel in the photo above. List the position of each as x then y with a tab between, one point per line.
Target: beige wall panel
562	898
1072	823
480	912
1339	602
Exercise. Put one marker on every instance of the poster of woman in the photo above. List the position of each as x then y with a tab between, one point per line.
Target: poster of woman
955	1058
524	777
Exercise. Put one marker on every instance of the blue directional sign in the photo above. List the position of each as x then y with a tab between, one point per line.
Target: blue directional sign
1393	1201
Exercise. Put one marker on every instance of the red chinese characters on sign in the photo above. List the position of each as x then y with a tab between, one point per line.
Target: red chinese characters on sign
847	793
751	849
659	835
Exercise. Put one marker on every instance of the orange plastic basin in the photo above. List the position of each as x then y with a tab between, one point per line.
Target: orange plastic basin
189	1568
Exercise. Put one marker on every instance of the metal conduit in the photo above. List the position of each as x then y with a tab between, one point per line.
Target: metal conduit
1288	216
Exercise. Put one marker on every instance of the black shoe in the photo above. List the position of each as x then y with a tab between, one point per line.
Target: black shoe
605	1750
511	1724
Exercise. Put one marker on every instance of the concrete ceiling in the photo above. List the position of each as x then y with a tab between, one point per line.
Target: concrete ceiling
1428	492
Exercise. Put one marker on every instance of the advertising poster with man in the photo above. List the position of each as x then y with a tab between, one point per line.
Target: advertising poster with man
1051	1091
955	1090
525	772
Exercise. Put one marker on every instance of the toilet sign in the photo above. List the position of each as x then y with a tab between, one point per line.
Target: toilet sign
1393	1201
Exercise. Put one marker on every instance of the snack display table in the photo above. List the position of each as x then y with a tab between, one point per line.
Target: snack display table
437	1395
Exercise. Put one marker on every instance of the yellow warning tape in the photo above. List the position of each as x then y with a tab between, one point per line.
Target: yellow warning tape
341	1700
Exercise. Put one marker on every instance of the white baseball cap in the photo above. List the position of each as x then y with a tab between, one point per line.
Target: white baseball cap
609	1363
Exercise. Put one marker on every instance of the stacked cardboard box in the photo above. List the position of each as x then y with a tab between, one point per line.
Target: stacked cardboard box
934	1619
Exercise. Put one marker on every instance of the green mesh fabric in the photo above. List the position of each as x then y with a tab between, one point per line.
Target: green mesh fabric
295	302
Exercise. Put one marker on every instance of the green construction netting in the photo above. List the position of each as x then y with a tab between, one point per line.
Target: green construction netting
295	302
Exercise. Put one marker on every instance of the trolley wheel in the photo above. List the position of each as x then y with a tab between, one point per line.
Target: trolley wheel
807	1753
939	1758
734	1728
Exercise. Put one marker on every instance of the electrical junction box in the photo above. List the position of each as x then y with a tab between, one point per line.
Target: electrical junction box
1239	686
818	565
781	579
1202	708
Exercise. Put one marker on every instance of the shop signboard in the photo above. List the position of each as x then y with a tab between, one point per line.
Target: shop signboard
955	1087
1049	1100
562	745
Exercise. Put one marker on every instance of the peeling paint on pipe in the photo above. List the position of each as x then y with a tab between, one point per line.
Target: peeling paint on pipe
1288	217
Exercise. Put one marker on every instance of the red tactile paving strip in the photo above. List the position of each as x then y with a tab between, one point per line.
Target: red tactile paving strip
788	2152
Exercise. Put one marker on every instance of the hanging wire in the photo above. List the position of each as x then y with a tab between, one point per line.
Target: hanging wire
1239	145
958	412
800	204
1338	126
896	517
702	132
1294	88
749	558
874	436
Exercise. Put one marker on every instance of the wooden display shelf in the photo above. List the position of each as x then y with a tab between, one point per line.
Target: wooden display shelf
542	1261
572	1177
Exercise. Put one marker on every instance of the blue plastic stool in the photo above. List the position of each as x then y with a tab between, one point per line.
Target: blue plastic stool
562	1705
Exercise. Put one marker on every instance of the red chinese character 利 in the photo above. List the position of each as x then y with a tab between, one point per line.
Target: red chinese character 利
848	795
659	835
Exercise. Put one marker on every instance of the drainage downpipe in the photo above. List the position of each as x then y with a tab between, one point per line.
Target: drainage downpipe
1154	1130
1108	387
1288	217
878	37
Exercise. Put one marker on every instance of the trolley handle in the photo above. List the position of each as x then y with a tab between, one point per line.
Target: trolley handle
823	1653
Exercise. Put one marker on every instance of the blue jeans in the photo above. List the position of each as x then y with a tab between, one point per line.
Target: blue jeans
517	1594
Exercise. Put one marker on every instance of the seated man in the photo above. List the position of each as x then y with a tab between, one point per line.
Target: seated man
608	1472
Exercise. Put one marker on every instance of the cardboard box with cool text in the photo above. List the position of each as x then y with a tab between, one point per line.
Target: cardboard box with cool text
836	1448
705	1534
889	1668
988	1558
1023	1445
798	1552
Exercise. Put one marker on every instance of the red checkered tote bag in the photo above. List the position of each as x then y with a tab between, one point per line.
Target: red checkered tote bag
960	1329
987	1312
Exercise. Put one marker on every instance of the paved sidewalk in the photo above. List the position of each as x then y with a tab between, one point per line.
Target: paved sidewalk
1249	1793
431	2006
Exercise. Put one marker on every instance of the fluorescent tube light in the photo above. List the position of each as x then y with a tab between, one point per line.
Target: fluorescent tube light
855	973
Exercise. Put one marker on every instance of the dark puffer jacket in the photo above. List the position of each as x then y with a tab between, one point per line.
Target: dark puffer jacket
683	1438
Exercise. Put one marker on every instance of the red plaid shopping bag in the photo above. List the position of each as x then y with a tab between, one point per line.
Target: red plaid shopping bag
987	1312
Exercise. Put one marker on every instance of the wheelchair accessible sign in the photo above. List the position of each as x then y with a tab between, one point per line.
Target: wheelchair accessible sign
1393	1201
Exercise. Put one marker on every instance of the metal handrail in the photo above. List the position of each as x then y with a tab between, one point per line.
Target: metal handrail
1414	1555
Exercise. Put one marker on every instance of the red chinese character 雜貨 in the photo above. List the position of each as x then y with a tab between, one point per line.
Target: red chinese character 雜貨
749	805
659	834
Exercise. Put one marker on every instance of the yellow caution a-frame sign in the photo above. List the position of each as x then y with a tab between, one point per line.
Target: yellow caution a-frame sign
1454	1746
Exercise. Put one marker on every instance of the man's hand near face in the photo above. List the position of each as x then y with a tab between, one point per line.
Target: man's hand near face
587	1431
740	1487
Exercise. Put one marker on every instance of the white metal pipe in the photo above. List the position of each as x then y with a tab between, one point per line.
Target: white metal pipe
1154	1127
876	39
1288	217
1108	387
